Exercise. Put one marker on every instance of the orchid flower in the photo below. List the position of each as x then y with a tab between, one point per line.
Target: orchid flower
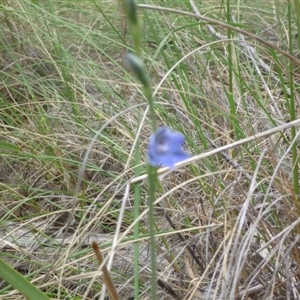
165	148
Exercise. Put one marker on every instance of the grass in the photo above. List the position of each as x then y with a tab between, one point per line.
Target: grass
74	130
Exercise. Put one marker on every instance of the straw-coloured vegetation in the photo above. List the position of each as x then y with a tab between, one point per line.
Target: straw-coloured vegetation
74	130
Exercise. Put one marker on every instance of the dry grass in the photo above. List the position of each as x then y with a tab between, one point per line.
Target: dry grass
227	225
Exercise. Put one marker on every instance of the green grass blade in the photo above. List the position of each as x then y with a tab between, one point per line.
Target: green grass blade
8	146
292	107
137	203
20	282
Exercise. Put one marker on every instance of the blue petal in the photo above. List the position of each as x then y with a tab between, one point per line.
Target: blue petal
165	148
176	142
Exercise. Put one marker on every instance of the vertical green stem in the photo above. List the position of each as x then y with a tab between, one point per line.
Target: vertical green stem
152	173
136	230
137	67
292	106
231	101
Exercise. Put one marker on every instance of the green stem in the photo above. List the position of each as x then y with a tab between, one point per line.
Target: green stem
293	114
152	173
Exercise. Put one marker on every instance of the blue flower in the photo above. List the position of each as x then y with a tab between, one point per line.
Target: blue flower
165	148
